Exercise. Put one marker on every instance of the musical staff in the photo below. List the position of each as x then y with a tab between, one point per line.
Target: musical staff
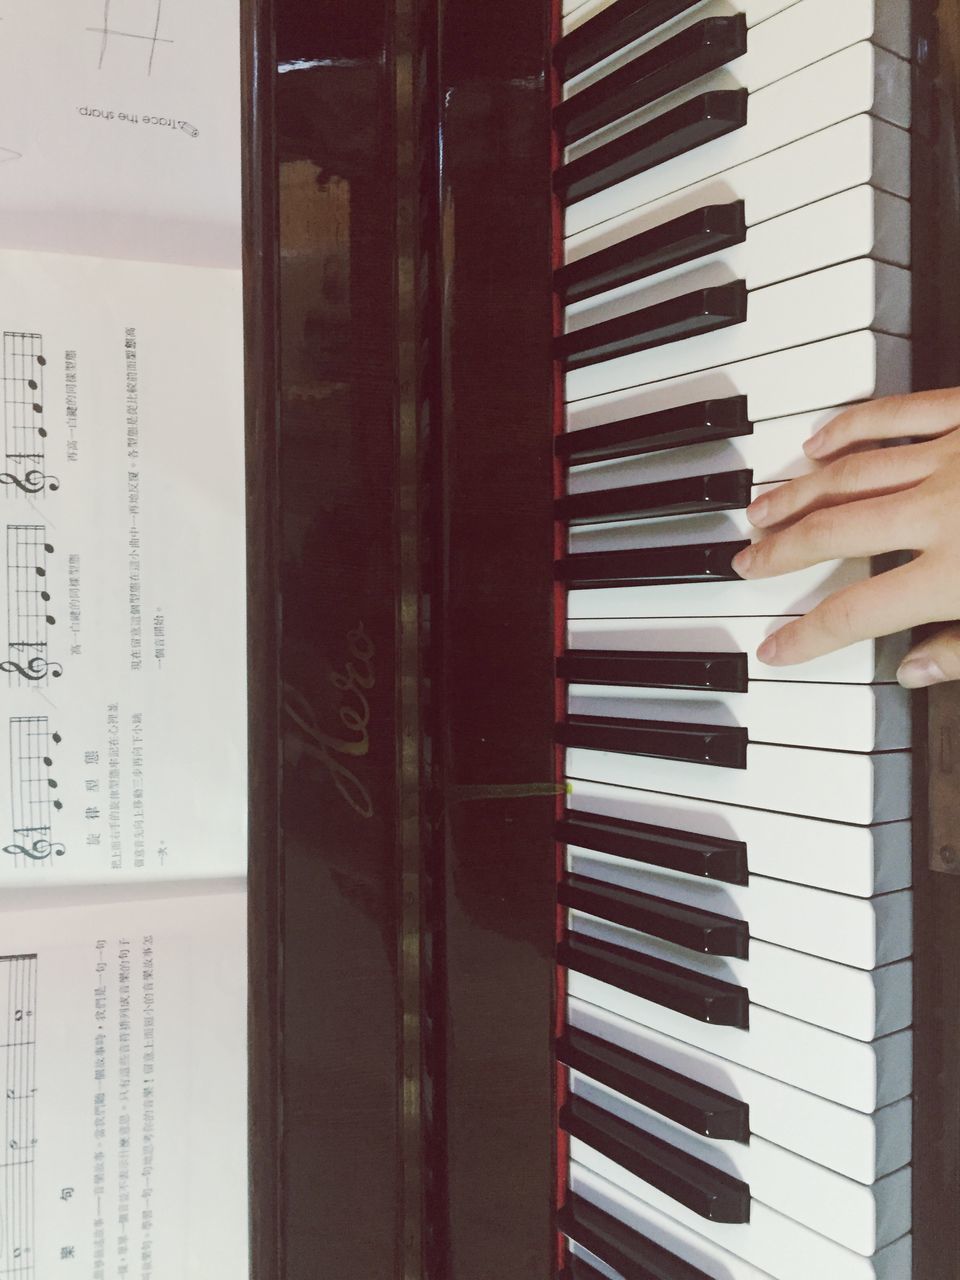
18	1140
32	790
28	600
24	432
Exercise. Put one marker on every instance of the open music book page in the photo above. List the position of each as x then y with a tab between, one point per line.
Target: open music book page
120	125
122	588
122	1065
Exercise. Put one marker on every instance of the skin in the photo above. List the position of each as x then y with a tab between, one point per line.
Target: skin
868	497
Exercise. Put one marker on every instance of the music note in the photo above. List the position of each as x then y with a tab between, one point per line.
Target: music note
33	791
28	618
24	431
18	1047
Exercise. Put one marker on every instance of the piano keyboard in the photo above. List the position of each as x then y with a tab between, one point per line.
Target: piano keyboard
735	186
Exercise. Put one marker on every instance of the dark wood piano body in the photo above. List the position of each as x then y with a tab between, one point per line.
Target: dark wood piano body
400	247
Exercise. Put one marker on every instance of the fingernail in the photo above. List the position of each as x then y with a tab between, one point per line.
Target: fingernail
814	446
742	561
757	511
919	673
768	650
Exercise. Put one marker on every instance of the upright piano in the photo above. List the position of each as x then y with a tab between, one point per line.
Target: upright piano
583	945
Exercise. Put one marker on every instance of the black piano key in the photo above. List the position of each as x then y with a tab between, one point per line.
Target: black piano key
704	1190
693	235
704	47
693	123
628	1252
689	495
723	746
687	1102
712	857
651	566
652	669
704	931
693	994
670	429
687	316
617	25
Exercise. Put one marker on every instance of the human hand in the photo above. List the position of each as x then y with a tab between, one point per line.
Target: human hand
865	502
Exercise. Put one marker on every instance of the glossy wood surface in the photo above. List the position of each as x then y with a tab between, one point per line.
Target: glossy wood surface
402	784
495	640
936	337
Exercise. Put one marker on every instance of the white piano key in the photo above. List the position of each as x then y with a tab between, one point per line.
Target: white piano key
841	370
663	531
855	81
773	451
842	786
860	861
840	299
791	594
835	717
856	152
861	663
864	1075
859	1145
577	12
801	36
860	932
859	223
577	1251
770	1243
862	1003
862	1218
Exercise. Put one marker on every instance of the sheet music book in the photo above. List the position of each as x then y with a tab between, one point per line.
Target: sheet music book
122	614
123	1103
122	643
120	128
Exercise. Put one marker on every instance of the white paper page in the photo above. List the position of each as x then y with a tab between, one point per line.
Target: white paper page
120	127
122	585
123	1070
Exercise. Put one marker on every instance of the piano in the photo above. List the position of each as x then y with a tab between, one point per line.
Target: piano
583	946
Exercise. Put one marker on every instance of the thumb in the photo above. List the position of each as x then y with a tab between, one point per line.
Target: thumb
933	661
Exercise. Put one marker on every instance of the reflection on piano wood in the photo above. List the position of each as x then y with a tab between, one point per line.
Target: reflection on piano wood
28	619
32	788
18	999
24	433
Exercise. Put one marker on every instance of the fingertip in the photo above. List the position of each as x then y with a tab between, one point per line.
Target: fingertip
758	512
817	445
767	652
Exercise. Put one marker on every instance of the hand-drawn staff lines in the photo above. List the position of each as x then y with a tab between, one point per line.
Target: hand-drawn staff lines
130	20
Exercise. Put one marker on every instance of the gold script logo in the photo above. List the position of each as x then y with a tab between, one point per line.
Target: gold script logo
337	754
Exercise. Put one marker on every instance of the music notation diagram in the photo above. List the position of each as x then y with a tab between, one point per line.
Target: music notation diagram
28	606
18	1049
33	788
24	432
134	20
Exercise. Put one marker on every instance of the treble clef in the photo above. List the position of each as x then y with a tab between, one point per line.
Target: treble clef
36	669
39	851
32	482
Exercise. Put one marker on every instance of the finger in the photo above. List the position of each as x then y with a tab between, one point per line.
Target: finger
925	413
934	661
862	475
870	527
892	601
